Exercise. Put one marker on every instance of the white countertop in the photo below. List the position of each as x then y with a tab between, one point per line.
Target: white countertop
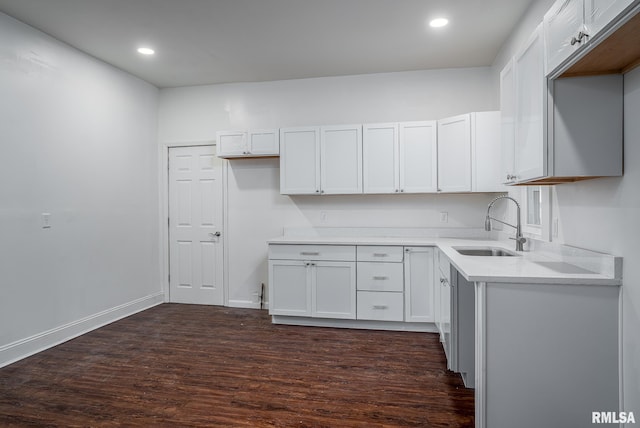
540	267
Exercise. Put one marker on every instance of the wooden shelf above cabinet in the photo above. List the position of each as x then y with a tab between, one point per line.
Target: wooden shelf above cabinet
618	53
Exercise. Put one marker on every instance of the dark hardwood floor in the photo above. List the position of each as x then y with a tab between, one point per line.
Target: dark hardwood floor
195	366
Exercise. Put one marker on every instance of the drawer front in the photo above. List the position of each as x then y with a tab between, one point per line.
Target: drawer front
380	306
374	276
371	253
346	253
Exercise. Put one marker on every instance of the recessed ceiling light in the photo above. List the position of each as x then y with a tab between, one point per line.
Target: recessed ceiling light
146	51
438	22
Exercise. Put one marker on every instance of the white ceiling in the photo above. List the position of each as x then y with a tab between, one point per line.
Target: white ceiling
220	41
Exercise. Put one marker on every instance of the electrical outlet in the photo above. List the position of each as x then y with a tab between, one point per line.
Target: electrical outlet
323	216
444	217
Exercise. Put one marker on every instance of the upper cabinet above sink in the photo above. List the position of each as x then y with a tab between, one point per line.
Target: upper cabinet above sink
561	97
577	28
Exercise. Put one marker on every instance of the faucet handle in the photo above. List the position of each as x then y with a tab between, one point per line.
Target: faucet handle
520	239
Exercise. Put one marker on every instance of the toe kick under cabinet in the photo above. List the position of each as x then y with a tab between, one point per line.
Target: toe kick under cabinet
387	286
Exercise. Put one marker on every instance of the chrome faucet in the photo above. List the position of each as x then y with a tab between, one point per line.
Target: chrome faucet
487	222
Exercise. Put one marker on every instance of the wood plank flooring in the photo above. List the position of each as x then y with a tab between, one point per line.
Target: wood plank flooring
197	366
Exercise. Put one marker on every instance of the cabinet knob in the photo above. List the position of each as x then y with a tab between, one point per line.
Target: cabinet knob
578	39
401	190
317	191
396	190
322	191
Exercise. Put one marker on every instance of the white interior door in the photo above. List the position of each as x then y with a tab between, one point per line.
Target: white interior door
195	226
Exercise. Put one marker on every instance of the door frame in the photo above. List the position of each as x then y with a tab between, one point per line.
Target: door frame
163	177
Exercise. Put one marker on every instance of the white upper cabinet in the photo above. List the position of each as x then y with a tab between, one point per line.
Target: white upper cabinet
564	31
418	156
263	142
599	13
253	143
400	157
507	121
454	154
300	161
469	153
316	161
530	150
341	159
380	158
231	143
571	25
486	160
566	129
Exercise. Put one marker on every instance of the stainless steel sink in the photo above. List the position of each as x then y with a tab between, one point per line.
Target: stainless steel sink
484	251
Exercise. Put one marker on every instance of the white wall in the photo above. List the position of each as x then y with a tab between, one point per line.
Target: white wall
256	209
602	214
79	142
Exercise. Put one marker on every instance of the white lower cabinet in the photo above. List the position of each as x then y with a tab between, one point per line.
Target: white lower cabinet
380	306
364	282
333	289
380	283
290	292
418	284
443	322
312	281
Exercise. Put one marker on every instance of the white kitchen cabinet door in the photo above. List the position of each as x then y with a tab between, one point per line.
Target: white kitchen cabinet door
380	158
231	143
334	289
564	31
418	154
263	142
454	154
437	313
341	159
507	121
486	152
300	161
289	288
445	318
418	284
599	13
530	150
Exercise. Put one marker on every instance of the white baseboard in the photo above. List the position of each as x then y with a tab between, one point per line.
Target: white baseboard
39	342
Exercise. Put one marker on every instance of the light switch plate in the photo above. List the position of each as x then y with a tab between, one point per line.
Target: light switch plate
444	217
46	220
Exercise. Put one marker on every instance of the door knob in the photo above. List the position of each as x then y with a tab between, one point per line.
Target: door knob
214	235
